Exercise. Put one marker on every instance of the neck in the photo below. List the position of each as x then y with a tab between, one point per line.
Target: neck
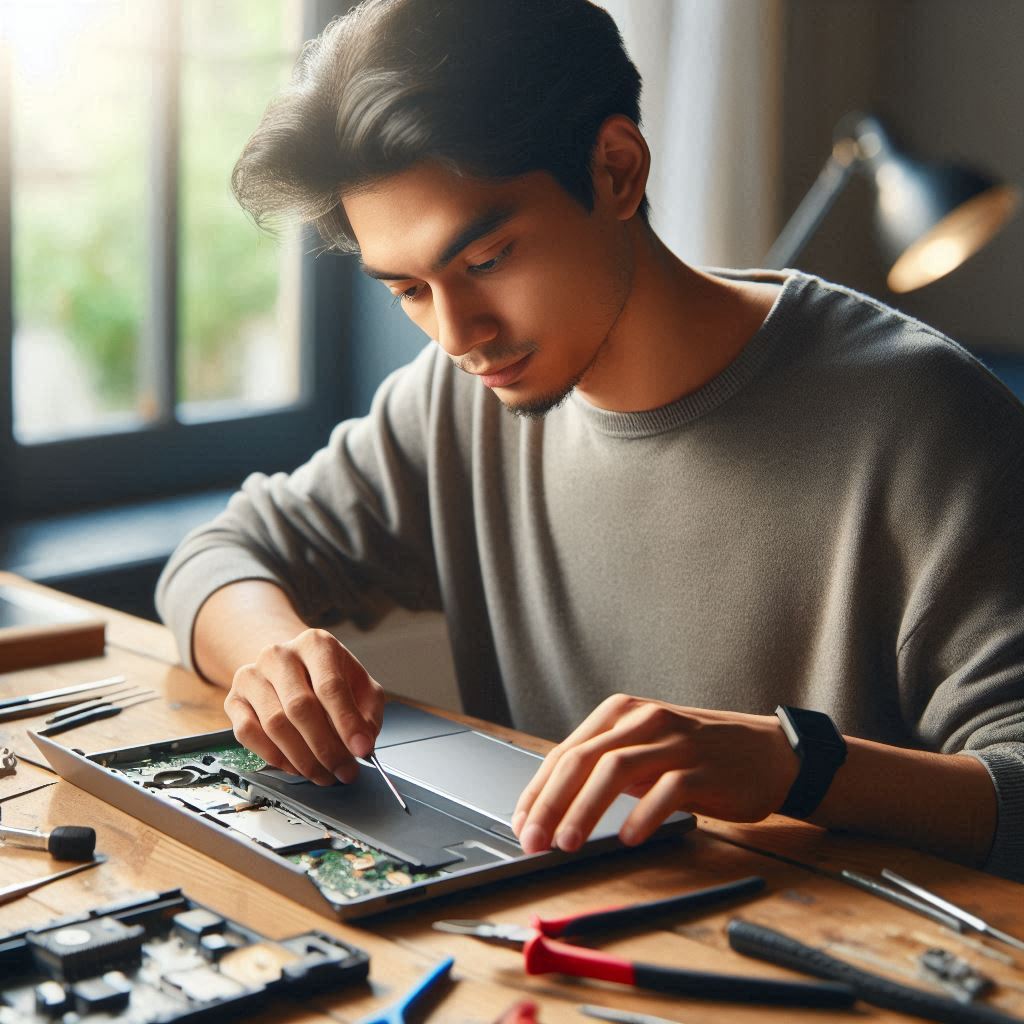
678	328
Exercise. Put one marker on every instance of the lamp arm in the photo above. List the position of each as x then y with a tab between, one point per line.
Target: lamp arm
815	205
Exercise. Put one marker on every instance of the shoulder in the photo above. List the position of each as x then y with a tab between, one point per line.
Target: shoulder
890	364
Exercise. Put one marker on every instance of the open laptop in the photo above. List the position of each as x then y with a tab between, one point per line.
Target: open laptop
343	850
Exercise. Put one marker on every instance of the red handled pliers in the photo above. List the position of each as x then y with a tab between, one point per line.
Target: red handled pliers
542	955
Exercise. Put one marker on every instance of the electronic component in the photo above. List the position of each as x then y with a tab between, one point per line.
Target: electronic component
953	972
85	949
161	958
108	994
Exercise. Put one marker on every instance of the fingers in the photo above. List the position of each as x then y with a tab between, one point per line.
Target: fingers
354	702
307	706
584	787
668	795
729	765
290	716
246	725
599	721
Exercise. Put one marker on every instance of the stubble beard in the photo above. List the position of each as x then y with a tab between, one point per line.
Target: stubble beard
538	408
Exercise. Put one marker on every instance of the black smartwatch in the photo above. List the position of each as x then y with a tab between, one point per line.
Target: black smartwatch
821	749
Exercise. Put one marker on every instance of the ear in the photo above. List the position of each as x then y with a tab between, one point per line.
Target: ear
620	166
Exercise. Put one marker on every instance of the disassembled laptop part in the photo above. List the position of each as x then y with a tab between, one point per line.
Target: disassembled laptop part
209	782
161	957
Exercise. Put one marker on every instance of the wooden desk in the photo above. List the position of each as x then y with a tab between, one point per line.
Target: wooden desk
487	979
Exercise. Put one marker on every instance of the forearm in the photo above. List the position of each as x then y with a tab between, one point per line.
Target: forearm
942	803
237	622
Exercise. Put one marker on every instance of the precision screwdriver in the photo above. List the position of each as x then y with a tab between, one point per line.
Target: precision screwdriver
65	842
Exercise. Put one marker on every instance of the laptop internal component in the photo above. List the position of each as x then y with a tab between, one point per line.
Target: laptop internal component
161	958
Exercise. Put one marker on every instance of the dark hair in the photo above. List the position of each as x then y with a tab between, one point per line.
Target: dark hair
491	88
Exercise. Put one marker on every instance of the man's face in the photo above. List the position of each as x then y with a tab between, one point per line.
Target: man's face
516	281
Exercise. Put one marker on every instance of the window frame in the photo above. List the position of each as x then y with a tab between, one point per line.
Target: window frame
165	455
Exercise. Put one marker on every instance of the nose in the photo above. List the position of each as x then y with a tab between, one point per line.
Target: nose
462	322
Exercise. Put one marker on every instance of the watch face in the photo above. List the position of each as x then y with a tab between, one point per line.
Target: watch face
815	727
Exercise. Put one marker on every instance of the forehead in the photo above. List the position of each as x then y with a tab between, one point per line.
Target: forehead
410	218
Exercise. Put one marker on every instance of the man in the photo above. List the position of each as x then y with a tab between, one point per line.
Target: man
721	492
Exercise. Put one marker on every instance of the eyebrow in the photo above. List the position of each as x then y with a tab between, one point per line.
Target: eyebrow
480	226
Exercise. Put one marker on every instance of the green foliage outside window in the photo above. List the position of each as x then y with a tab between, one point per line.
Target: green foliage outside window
82	234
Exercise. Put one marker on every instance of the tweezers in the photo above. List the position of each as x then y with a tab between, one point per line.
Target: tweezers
901	899
95	702
964	917
51	700
91	715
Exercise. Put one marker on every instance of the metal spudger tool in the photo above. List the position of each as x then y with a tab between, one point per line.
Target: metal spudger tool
19	889
35	698
398	796
969	920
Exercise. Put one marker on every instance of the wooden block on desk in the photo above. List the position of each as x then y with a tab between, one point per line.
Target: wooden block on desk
39	630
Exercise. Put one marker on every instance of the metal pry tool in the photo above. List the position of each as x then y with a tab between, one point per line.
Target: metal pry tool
398	796
19	889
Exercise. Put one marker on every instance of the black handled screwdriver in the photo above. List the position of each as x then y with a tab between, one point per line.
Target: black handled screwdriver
65	842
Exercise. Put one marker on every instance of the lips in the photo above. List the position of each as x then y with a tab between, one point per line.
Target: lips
506	376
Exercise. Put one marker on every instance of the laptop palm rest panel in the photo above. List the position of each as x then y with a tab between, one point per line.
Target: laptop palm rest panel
467	767
426	839
470	768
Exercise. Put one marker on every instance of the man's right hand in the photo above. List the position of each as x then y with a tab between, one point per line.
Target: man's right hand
307	706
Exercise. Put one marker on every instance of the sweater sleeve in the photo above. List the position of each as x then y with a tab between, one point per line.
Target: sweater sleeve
961	653
346	535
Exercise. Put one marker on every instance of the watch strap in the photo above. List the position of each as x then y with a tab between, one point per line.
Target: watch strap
819	762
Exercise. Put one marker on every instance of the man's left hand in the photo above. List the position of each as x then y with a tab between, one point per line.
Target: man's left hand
720	763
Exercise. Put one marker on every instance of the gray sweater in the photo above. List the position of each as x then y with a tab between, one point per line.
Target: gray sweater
834	522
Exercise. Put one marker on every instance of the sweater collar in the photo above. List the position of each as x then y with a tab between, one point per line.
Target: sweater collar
721	387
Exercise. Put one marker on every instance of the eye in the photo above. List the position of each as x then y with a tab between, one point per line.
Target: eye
489	266
410	294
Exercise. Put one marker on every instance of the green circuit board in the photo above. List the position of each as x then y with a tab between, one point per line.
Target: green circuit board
232	755
342	867
353	871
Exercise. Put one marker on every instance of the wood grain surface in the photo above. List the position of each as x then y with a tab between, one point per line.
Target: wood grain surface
802	899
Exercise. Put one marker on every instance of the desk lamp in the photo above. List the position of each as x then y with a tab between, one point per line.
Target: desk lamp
929	217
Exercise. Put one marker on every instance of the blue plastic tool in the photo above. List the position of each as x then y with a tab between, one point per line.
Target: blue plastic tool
396	1013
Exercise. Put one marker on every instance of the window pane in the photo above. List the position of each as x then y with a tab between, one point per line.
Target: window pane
238	289
80	135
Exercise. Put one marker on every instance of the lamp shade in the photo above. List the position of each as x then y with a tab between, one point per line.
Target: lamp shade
930	217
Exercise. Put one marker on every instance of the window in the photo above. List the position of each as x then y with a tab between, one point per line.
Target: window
151	340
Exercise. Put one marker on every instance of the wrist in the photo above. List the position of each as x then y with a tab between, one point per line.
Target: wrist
942	803
236	623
